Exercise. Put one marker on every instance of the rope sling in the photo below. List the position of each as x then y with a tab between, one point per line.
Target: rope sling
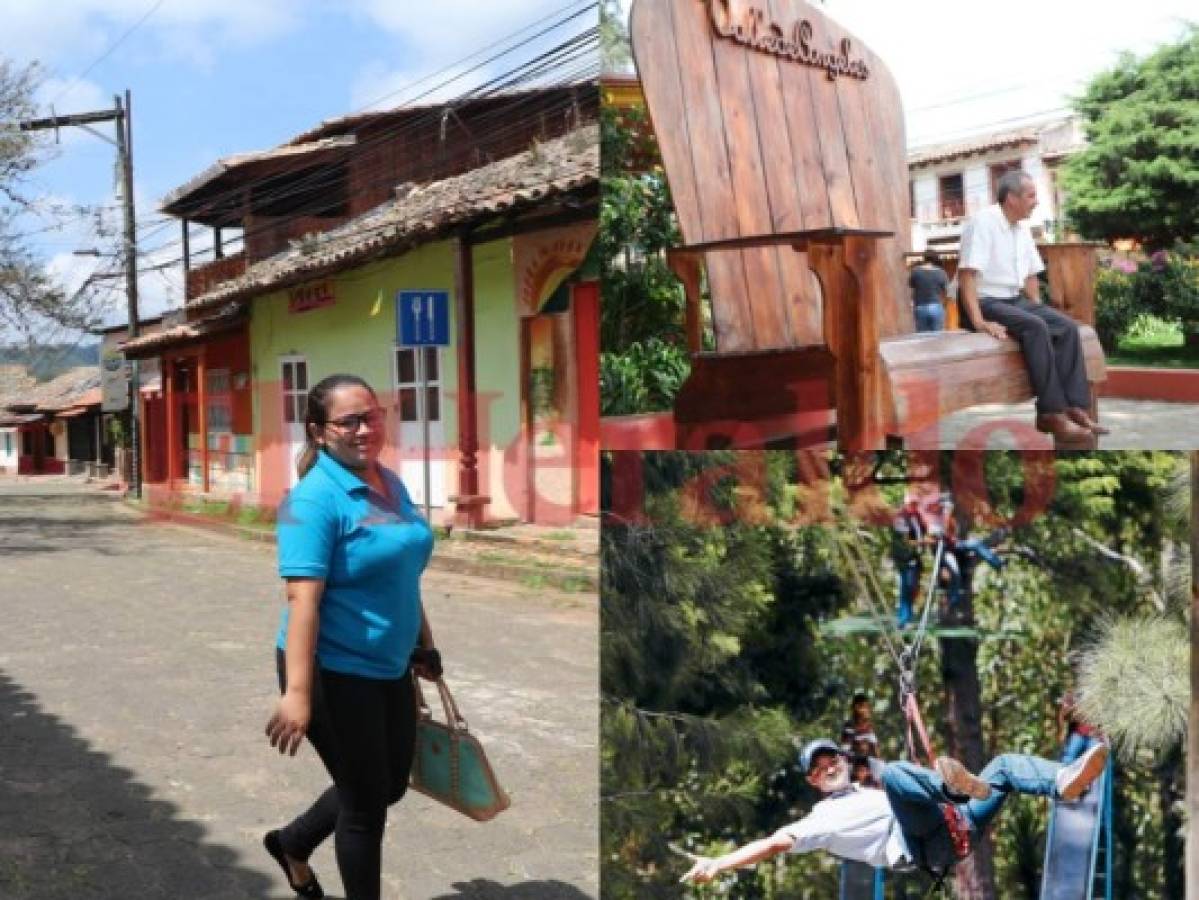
906	657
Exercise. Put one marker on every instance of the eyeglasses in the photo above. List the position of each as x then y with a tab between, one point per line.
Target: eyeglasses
354	421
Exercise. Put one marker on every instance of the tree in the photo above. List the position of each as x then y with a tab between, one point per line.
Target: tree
32	306
1139	176
645	358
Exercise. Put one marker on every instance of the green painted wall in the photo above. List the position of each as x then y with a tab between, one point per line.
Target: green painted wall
357	334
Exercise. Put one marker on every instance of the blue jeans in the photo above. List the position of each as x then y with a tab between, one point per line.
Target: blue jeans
915	794
930	317
989	556
1076	745
909	583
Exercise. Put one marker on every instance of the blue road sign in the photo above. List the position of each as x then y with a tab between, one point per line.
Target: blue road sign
423	318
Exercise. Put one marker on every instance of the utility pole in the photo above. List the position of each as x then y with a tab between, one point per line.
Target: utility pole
120	114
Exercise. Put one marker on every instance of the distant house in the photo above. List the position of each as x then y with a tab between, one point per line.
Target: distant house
950	182
53	427
492	201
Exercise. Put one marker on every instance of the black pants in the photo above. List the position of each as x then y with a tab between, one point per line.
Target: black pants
1052	351
364	731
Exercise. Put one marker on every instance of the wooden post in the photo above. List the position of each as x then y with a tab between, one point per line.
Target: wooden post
1192	801
849	278
468	503
1071	269
686	268
202	414
187	256
218	249
168	385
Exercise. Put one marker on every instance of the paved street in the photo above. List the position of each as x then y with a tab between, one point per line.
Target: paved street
136	675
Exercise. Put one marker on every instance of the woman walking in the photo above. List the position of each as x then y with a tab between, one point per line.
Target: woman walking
351	549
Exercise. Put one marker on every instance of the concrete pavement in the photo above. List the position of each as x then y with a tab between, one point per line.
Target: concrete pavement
136	675
1135	424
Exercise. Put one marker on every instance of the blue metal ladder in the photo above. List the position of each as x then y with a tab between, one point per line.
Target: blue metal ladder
1078	849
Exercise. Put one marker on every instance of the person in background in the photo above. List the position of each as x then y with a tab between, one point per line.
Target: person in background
930	286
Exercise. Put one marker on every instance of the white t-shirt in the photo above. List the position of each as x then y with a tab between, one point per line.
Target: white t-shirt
857	825
1003	254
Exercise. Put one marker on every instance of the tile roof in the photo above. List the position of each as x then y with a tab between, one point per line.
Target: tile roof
924	156
227	318
67	390
427	212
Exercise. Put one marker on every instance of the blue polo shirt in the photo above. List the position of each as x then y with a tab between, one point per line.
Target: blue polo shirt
371	551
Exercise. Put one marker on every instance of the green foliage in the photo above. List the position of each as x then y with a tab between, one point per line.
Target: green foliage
1134	683
641	318
712	667
1139	176
1116	308
614	40
644	378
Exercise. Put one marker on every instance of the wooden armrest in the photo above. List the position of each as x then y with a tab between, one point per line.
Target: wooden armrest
797	239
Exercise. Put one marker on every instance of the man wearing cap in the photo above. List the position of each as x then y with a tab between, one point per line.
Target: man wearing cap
1000	296
903	825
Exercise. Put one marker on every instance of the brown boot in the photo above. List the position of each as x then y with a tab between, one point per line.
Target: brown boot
1060	426
959	780
1080	416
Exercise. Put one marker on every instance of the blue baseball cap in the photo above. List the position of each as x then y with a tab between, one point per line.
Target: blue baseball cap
811	748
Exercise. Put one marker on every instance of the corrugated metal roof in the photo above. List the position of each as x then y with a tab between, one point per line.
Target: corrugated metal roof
302	153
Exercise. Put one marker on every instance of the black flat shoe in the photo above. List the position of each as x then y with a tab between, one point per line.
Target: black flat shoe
310	889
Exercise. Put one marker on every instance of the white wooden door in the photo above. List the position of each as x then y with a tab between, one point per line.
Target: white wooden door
412	365
293	383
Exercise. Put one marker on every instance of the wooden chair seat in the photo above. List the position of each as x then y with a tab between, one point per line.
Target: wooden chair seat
932	375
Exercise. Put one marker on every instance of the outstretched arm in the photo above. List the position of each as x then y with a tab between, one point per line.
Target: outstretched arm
707	868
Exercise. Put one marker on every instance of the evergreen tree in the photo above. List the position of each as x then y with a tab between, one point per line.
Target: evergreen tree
1139	176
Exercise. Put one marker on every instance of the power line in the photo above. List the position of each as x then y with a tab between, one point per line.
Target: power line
325	179
108	52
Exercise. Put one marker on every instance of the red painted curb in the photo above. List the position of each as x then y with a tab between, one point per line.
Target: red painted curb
1138	383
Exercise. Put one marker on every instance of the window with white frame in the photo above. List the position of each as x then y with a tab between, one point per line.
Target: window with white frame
409	362
295	390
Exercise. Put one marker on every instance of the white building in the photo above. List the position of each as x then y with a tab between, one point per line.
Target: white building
950	182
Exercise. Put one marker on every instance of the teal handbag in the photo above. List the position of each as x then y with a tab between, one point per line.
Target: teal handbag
449	764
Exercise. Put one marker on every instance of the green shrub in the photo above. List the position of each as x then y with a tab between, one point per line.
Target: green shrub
644	378
1117	305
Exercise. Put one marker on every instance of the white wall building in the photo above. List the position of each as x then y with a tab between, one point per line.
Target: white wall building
951	182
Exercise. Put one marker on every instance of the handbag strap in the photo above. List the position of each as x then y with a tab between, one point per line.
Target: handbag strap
453	717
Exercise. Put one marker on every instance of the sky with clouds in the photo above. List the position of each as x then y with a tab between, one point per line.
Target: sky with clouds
968	67
210	78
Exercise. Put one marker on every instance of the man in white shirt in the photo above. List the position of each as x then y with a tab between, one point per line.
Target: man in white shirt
1000	296
903	825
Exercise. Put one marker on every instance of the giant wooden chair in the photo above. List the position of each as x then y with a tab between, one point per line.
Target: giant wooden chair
783	142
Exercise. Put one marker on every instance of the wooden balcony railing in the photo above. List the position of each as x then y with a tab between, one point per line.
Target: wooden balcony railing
202	279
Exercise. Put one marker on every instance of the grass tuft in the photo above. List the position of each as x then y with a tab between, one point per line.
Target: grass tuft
1133	683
